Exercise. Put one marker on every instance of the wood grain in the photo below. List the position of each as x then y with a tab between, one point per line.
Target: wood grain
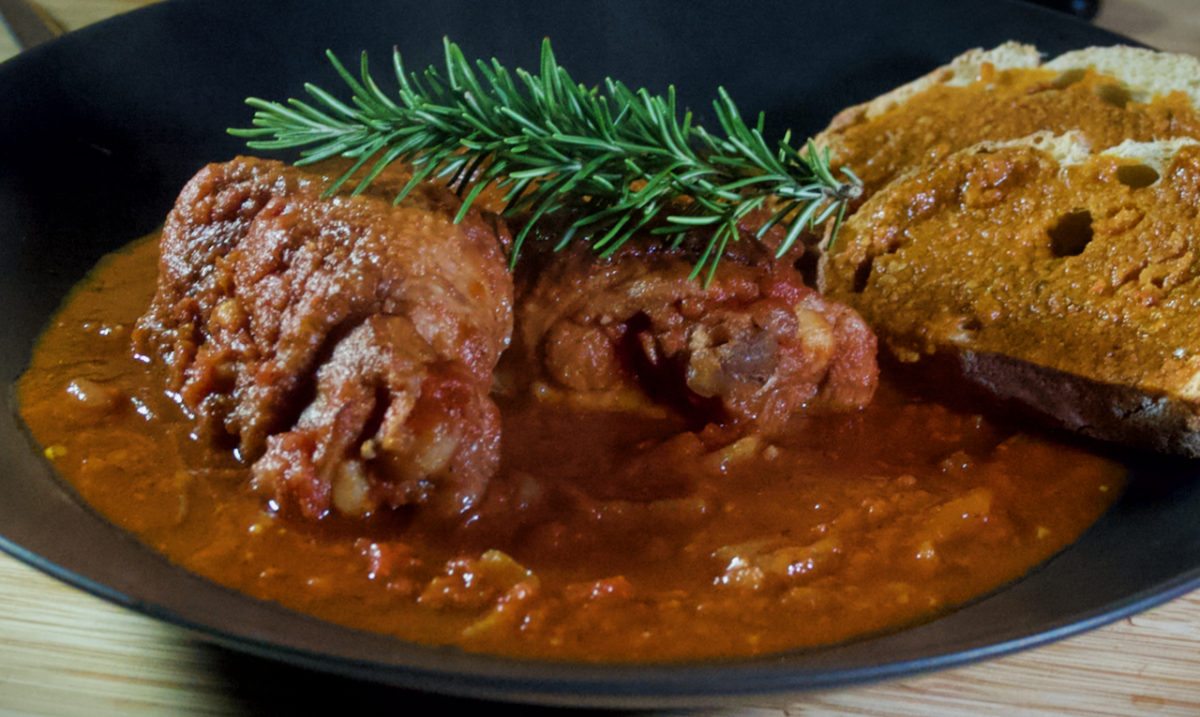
1172	25
63	652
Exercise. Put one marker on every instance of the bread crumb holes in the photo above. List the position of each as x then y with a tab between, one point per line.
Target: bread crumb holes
1071	234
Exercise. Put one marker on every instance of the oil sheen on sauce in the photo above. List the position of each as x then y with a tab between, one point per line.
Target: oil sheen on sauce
638	547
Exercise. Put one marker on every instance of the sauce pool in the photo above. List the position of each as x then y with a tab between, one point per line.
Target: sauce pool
640	545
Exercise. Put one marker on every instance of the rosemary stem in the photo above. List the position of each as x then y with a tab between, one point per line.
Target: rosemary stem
617	158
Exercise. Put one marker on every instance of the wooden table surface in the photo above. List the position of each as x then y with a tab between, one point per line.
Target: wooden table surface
63	652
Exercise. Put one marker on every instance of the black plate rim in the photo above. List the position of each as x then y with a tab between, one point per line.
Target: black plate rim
571	684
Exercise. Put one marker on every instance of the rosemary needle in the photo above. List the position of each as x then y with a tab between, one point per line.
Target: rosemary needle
619	158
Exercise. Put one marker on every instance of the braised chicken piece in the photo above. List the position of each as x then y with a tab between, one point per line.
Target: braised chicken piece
749	349
345	345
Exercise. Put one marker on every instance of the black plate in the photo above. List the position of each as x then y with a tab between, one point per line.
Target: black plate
102	127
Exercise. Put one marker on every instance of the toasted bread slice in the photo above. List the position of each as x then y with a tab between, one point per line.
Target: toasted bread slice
1109	94
959	72
1064	279
1144	72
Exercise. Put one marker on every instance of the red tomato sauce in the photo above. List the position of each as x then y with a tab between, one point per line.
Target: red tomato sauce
642	545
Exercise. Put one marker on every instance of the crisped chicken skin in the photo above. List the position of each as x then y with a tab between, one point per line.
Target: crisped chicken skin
750	349
347	345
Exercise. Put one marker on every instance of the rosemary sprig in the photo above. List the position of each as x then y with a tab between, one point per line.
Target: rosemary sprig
618	157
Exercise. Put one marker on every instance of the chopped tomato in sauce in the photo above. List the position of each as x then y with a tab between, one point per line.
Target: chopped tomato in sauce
608	535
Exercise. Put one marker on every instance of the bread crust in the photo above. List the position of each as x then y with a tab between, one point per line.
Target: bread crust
1105	411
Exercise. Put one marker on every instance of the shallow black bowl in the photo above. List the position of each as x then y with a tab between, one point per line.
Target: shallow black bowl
101	128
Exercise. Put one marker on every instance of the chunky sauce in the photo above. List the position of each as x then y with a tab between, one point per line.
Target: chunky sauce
852	524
